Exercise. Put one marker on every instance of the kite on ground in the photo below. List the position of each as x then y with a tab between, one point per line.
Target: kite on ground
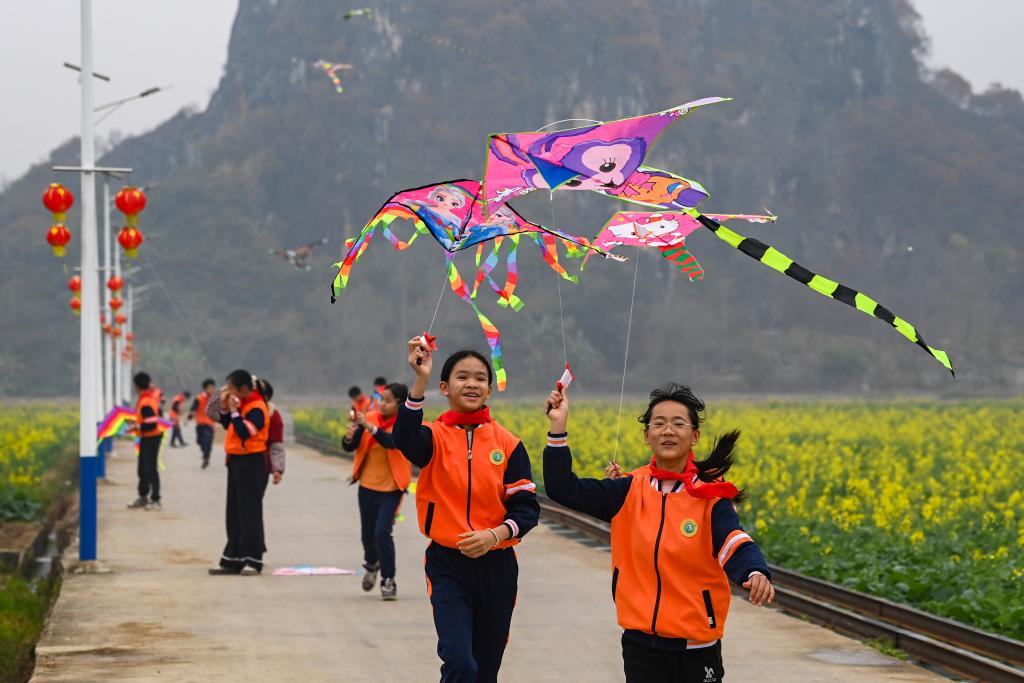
298	256
608	158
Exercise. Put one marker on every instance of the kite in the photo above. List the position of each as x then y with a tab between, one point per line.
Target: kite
608	158
665	231
309	570
360	12
452	213
114	423
331	70
297	256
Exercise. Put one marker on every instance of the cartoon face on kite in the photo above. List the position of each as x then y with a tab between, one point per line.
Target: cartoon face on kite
652	227
599	157
446	205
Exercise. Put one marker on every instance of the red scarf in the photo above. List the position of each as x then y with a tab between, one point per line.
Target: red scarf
694	486
477	417
386	423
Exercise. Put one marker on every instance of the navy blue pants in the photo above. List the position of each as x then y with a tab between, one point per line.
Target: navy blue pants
204	437
473	602
377	516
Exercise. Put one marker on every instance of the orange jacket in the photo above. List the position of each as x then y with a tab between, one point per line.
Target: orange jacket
256	442
148	426
401	470
463	486
666	579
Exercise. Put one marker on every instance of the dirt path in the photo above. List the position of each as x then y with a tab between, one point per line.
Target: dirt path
157	615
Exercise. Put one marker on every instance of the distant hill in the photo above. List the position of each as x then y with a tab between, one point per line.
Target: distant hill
889	178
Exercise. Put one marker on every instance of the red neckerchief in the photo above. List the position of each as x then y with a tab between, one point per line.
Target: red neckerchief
253	396
694	486
477	417
386	423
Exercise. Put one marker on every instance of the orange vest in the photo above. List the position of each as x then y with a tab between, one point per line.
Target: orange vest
201	417
666	579
150	398
257	441
461	489
401	470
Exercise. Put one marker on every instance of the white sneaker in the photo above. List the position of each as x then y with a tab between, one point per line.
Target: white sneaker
388	590
370	577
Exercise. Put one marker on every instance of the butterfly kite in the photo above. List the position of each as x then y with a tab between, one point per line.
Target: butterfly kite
451	212
608	158
298	255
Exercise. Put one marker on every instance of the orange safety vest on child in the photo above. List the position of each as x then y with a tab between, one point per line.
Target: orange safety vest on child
201	417
462	487
666	579
257	440
401	470
149	398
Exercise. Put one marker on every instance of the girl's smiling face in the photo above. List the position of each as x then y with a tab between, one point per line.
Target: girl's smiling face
467	387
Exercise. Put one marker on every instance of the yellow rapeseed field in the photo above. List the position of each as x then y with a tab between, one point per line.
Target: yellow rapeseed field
32	439
922	502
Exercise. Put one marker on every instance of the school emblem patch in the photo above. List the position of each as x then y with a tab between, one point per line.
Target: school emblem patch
497	456
688	528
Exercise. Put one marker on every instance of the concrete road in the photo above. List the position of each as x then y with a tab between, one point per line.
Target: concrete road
157	615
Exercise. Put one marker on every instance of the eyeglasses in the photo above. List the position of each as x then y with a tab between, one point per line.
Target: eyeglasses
676	425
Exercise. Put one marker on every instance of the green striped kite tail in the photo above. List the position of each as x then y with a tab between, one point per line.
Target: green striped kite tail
776	260
355	251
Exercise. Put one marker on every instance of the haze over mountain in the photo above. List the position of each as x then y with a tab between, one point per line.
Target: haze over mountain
886	177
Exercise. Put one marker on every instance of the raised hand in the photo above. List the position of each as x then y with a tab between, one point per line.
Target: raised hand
557	408
420	358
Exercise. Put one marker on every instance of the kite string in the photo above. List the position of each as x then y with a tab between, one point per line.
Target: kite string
177	311
439	297
625	359
558	282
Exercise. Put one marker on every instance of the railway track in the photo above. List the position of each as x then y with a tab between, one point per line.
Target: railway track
957	648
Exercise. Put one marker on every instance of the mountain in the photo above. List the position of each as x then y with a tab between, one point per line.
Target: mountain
887	177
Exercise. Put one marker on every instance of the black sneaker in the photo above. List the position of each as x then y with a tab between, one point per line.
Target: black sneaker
206	463
370	577
220	571
388	590
139	502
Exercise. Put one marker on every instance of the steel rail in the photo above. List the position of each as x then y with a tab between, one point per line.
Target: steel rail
944	642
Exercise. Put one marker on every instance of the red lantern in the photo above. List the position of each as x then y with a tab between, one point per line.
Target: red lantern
114	284
76	305
116	332
130	238
107	327
130	201
58	236
129	337
121	319
115	304
58	199
75	284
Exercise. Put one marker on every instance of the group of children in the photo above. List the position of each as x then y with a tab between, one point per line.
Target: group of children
675	534
676	537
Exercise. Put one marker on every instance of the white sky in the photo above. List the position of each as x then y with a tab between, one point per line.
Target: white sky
183	43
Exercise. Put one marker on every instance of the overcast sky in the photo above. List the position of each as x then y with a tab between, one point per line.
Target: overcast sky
183	43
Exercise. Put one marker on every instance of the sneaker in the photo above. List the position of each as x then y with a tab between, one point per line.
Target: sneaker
139	502
154	505
370	577
206	463
388	590
251	571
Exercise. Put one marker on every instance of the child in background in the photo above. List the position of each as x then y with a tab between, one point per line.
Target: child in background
383	475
